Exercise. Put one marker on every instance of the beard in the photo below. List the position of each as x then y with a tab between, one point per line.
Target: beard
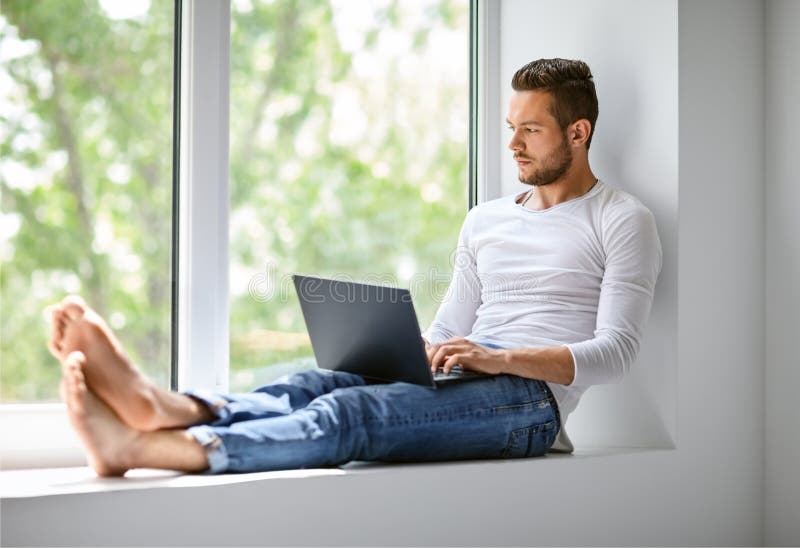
553	166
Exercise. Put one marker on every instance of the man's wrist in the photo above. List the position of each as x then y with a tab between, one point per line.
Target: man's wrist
508	362
546	363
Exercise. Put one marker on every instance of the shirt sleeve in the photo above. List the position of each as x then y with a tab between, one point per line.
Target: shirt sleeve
633	262
456	314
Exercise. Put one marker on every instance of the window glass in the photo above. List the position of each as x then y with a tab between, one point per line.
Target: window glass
349	143
86	178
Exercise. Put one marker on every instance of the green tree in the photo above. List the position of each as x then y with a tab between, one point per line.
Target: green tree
370	196
86	177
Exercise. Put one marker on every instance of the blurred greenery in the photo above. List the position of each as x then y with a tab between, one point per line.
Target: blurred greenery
348	159
85	175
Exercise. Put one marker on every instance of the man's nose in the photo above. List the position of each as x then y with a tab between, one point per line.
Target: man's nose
515	143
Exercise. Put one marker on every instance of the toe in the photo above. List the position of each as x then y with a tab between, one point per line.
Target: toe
74	362
54	348
72	379
74	307
56	331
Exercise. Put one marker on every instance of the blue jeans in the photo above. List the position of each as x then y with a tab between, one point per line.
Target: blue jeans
322	418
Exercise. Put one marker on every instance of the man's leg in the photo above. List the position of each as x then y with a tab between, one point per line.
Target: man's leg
281	397
380	422
496	417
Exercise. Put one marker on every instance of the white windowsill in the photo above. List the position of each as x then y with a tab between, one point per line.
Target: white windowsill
360	504
82	480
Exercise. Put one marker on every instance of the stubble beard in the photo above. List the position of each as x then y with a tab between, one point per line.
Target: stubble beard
554	166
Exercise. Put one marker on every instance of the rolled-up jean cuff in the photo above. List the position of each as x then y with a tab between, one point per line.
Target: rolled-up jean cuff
212	444
215	403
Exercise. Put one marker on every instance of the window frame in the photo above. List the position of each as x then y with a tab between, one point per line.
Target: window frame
202	250
200	212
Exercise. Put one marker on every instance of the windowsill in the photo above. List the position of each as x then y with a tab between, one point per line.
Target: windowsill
449	503
45	482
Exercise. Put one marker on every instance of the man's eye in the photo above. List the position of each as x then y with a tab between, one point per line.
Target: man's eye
532	130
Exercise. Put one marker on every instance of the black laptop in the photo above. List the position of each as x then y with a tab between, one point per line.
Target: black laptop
369	330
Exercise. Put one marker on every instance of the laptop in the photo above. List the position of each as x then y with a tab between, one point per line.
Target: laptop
368	330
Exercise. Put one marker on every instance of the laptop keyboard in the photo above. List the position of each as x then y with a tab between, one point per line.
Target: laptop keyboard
455	373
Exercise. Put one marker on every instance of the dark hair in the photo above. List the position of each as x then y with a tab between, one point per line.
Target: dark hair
570	85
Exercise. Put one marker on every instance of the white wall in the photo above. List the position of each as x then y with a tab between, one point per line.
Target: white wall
721	265
632	49
782	479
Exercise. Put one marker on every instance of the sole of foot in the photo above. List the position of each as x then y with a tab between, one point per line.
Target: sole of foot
108	442
108	371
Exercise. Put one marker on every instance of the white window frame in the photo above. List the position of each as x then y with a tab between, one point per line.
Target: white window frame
203	314
489	119
37	435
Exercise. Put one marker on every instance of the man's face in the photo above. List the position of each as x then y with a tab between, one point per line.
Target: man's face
540	148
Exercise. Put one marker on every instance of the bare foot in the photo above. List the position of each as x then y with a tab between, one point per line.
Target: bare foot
107	441
108	371
112	377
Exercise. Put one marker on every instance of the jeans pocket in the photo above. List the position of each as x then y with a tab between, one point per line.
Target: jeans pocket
531	441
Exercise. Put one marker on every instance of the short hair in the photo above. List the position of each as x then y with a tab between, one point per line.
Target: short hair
570	85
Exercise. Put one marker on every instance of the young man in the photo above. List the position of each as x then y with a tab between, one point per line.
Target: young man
550	294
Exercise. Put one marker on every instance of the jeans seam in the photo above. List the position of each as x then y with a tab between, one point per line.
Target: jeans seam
523	404
396	421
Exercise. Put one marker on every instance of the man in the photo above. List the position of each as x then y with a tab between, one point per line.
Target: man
550	293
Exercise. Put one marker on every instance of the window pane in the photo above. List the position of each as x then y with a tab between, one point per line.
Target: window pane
349	141
86	178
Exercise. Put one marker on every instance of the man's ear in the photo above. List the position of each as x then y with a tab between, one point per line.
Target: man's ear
578	133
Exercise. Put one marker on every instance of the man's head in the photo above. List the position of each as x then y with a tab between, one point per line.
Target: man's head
552	113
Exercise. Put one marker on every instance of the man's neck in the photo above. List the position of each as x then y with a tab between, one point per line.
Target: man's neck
546	196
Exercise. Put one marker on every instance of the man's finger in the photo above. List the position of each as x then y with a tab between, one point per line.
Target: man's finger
440	355
443	352
451	362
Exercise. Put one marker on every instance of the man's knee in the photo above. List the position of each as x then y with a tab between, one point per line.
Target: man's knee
323	381
311	378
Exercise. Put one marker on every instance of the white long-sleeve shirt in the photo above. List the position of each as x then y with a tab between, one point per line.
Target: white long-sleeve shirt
579	274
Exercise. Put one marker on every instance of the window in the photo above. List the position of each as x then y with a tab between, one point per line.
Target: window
361	112
349	140
86	108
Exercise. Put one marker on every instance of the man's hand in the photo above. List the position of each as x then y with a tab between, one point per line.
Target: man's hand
467	354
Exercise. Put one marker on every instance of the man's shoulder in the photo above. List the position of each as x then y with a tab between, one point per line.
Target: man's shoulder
617	203
495	204
624	215
491	207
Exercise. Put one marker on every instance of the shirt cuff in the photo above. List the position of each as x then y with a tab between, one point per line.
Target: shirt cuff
575	366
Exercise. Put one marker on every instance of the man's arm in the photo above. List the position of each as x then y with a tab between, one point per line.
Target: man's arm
457	312
545	363
632	264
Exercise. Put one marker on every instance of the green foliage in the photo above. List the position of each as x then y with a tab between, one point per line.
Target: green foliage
91	97
348	158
